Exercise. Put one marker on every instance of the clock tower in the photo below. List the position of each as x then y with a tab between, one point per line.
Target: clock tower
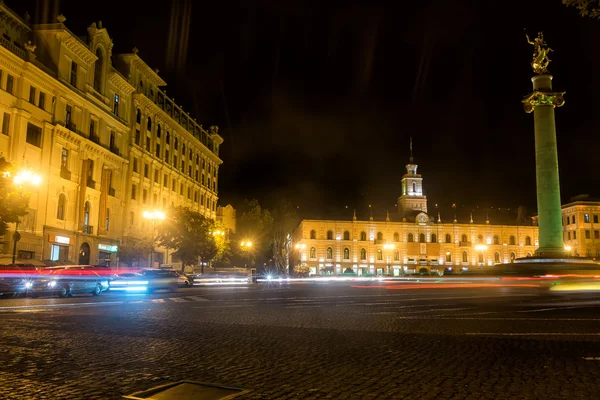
412	197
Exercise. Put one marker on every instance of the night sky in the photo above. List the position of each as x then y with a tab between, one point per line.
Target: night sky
317	100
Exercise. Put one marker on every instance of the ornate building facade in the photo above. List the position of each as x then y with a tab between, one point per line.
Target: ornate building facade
106	140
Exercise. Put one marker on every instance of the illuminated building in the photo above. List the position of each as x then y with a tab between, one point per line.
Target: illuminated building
412	241
226	216
106	140
581	226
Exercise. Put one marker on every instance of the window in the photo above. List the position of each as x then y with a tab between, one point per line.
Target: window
168	138
167	159
166	180
573	219
138	137
183	150
189	196
64	159
346	253
396	237
6	123
448	238
138	116
496	239
42	100
480	257
512	241
73	78
149	124
92	127
513	256
158	131
414	187
346	235
433	238
574	235
68	115
480	239
379	236
586	218
157	150
411	238
176	144
156	175
175	161
448	257
463	238
596	234
181	189
329	253
422	238
396	255
31	94
113	140
465	257
569	235
87	208
60	210
496	257
135	165
116	105
144	196
313	234
34	135
107	225
146	170
379	254
527	241
148	142
133	192
595	218
98	70
313	252
363	236
174	185
9	83
588	234
568	220
363	254
329	235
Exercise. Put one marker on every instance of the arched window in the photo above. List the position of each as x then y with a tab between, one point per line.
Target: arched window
313	234
346	253
158	131
480	239
60	211
329	253
512	240
379	254
411	238
527	241
107	218
149	125
465	257
496	239
363	236
138	116
379	236
529	254
512	257
396	237
98	70
448	238
448	257
168	138
480	257
396	255
86	213
346	235
496	257
313	252
414	187
363	254
463	238
433	238
329	235
422	238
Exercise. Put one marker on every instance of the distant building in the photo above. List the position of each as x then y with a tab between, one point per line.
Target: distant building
227	218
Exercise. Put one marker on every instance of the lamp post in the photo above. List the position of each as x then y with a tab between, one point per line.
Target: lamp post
389	246
153	216
23	177
481	248
246	245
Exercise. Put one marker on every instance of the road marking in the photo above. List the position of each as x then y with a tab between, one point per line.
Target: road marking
61	305
531	334
549	309
304	306
158	300
446	317
178	299
197	298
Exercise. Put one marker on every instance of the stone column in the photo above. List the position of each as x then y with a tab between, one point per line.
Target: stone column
542	102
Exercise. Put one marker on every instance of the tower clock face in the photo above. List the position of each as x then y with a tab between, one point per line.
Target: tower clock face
421	218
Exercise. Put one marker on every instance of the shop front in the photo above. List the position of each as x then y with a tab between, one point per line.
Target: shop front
107	254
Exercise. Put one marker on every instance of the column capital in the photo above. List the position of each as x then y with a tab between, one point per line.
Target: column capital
543	98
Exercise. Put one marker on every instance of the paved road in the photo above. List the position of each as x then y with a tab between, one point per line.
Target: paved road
306	341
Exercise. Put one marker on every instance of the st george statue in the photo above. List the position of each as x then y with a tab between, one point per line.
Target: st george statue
540	54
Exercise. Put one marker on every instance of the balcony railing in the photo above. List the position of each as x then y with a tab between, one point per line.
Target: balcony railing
464	244
88	229
91	183
71	126
111	191
65	174
95	139
115	150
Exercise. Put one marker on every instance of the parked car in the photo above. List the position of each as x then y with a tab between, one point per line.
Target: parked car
147	280
17	279
69	280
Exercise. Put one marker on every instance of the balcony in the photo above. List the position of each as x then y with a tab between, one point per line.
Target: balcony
65	174
91	183
95	139
88	229
115	150
71	126
464	244
111	191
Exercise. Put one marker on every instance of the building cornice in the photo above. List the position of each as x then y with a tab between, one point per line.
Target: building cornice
137	62
66	134
120	83
76	47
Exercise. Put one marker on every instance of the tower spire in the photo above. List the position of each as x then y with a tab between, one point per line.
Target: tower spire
411	159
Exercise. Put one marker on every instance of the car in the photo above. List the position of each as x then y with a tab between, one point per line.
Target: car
16	279
69	280
148	280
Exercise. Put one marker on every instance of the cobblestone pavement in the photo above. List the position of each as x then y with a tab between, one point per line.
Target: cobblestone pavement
305	341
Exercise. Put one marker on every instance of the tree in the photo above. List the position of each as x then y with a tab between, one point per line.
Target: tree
13	203
134	251
587	8
253	225
285	220
190	234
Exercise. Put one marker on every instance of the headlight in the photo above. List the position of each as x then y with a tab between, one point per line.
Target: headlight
51	283
28	285
269	277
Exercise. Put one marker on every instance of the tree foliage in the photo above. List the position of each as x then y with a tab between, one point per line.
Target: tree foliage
285	220
134	251
254	224
13	203
587	8
190	234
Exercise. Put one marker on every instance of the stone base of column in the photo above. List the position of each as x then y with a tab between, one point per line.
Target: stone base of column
551	252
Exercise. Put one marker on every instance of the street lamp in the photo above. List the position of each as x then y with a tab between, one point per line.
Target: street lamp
246	245
21	178
568	249
155	215
389	246
481	248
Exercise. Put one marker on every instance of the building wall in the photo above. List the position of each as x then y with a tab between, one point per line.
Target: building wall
226	216
581	228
